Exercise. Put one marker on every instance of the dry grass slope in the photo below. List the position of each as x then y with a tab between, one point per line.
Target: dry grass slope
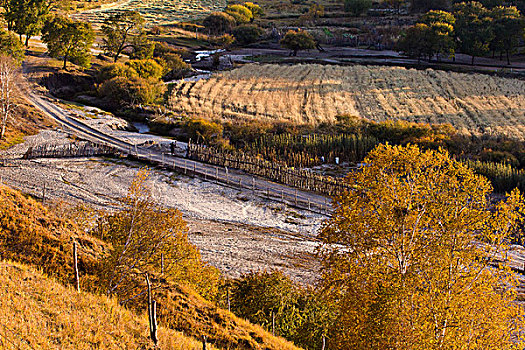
37	312
36	236
473	103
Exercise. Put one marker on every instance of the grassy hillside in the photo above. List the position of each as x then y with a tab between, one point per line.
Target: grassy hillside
37	312
472	103
26	120
36	236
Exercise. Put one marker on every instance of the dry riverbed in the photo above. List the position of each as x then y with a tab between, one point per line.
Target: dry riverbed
235	232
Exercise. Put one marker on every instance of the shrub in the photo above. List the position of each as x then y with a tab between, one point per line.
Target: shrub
111	71
146	69
218	23
247	34
202	130
298	40
240	13
121	91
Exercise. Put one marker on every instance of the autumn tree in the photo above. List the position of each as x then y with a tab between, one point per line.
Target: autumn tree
240	13
255	9
473	28
69	39
124	30
410	256
9	88
298	40
147	238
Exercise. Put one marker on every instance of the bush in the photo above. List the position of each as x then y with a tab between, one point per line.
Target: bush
174	66
301	315
202	130
223	41
121	92
114	70
240	13
247	34
219	23
298	40
146	69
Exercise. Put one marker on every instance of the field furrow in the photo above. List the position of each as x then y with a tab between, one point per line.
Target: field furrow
473	103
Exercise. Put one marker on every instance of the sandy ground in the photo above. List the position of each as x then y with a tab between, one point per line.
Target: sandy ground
235	232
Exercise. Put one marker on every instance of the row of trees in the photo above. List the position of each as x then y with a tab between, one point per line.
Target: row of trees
471	28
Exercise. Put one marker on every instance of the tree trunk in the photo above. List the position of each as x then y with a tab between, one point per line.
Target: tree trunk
27	40
2	133
472	61
508	57
65	62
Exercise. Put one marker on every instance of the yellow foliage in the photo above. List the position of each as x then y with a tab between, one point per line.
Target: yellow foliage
407	256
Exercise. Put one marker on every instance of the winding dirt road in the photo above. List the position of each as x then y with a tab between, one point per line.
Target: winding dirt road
229	177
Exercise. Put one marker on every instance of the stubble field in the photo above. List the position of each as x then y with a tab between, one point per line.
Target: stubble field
309	93
156	11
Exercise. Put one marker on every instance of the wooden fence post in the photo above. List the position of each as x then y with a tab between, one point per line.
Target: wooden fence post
228	297
273	323
75	266
152	314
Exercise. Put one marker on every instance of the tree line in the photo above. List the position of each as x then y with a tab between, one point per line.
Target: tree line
471	29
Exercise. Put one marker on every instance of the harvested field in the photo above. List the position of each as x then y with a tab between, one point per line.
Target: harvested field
156	11
309	93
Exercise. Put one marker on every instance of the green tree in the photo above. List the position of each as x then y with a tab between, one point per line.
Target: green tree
122	31
441	24
26	17
357	7
408	252
69	39
508	26
473	28
298	40
416	41
300	314
240	13
219	23
11	46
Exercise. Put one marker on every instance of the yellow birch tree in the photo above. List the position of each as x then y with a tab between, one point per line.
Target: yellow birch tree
412	256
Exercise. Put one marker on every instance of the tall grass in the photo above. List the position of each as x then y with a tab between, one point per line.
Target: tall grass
504	177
